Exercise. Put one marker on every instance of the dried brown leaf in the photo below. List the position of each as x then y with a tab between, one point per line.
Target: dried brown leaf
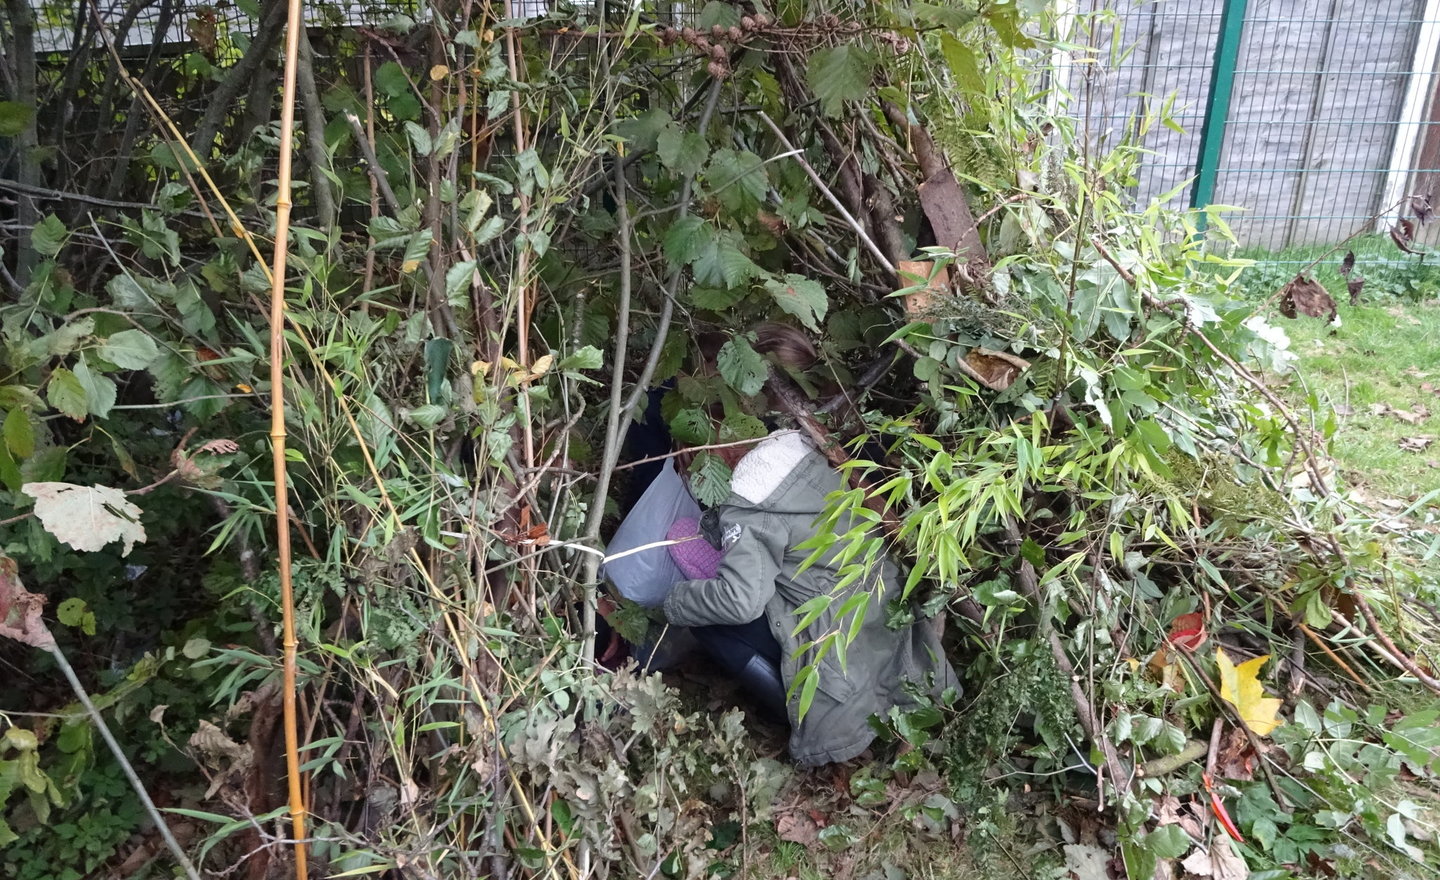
1347	265
1420	204
1306	296
996	370
797	827
1419	443
20	609
1220	862
1403	234
1355	285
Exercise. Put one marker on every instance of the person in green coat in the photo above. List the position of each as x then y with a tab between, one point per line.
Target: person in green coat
776	501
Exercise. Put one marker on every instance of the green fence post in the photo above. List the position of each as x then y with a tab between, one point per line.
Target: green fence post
1217	104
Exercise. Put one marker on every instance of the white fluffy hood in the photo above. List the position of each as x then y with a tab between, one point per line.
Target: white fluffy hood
765	467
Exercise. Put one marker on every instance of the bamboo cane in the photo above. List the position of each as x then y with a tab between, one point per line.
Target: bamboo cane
277	432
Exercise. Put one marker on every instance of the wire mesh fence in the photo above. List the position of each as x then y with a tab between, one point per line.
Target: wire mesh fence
1323	119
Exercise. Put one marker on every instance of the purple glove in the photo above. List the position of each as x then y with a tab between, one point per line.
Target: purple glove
695	558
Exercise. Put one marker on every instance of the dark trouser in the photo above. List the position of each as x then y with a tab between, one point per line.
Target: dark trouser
749	654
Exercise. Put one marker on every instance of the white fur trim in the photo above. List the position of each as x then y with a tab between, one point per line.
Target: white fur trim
762	470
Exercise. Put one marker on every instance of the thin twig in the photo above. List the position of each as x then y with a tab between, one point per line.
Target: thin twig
820	185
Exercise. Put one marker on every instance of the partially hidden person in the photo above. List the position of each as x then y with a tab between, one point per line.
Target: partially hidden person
744	609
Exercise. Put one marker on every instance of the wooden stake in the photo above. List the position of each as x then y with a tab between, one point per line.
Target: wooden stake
277	434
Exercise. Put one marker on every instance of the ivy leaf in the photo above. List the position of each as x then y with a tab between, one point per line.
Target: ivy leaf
710	479
799	296
721	262
66	394
682	151
130	350
99	390
1240	687
48	236
86	517
742	367
685	238
838	75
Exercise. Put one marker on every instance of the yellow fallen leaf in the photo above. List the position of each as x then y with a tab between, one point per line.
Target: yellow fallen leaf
439	72
409	266
1240	687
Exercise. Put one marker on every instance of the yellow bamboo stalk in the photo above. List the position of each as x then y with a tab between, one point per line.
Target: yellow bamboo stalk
277	433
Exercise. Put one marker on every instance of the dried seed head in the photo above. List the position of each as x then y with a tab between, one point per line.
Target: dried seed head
688	34
717	31
718	70
762	20
668	36
701	45
735	34
719	53
747	22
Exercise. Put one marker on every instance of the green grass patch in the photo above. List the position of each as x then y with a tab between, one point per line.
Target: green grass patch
1379	372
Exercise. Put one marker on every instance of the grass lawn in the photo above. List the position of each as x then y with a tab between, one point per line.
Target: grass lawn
1379	372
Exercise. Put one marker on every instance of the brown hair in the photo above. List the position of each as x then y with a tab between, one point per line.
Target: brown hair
790	347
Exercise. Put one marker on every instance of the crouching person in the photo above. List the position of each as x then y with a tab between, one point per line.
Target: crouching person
746	614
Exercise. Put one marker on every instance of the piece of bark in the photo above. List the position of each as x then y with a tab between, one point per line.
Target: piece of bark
953	223
921	303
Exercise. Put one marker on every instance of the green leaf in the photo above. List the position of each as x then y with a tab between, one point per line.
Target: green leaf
682	151
66	394
742	367
715	12
1168	842
130	350
742	426
964	66
14	118
48	236
75	613
685	238
19	433
419	139
127	293
390	79
799	296
945	16
710	479
692	427
99	390
838	75
587	358
738	178
721	262
457	282
643	130
714	298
